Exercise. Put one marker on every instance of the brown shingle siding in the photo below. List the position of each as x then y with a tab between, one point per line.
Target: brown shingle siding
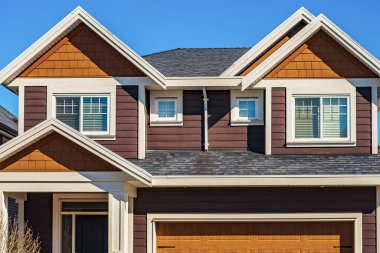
34	106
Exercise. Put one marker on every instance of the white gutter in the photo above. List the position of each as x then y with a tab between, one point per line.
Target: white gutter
205	113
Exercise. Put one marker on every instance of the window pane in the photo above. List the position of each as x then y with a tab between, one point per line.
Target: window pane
85	206
66	234
335	118
95	114
307	116
67	110
166	109
247	109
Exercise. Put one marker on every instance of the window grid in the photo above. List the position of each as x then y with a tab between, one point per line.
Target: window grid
324	108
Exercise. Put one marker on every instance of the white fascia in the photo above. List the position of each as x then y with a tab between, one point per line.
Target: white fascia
321	22
210	81
49	126
60	30
301	15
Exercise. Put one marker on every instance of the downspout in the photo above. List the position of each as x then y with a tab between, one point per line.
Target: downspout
205	113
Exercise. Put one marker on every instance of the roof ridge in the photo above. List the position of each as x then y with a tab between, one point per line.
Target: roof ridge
181	48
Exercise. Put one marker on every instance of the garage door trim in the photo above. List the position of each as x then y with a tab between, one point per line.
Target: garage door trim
152	219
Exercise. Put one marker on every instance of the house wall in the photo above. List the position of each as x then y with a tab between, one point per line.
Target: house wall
34	106
186	137
363	126
222	136
39	215
255	200
125	143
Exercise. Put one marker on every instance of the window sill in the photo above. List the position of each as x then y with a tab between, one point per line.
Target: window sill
106	137
247	123
298	144
166	123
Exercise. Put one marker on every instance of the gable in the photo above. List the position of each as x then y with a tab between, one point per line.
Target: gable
81	53
321	57
55	153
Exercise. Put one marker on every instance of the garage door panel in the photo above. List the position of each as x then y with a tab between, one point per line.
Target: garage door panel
254	237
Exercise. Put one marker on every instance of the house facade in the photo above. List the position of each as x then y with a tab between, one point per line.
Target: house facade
269	149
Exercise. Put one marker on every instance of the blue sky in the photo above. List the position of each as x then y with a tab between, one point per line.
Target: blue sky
149	26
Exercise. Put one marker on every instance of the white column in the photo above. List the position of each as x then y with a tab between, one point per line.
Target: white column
118	222
141	122
268	120
4	221
374	119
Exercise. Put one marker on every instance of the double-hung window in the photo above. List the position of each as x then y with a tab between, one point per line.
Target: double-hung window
166	108
321	118
247	108
87	114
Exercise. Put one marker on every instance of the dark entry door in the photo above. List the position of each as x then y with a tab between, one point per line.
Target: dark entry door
91	234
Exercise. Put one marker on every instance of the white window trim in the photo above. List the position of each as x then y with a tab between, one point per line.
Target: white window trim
81	96
321	139
155	96
252	95
255	99
174	118
57	217
356	218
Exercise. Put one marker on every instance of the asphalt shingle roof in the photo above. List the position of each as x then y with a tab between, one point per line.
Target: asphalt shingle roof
187	62
8	119
165	163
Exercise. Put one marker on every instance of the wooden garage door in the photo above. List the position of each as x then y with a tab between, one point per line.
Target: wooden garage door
259	237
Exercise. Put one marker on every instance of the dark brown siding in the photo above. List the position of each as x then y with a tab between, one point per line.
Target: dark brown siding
125	144
39	215
363	127
34	107
188	136
256	200
224	137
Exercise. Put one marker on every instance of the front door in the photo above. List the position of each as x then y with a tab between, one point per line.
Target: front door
91	234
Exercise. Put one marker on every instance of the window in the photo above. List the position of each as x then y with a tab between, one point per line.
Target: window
87	114
321	118
166	109
247	109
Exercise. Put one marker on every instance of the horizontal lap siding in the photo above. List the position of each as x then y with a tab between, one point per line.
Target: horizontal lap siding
256	200
223	136
363	126
125	144
39	215
186	137
34	106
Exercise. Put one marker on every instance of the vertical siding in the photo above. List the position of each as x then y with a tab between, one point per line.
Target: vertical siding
256	200
34	106
126	143
39	215
222	136
363	126
186	137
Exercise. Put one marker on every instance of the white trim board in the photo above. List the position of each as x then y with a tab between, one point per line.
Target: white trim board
356	218
67	24
301	15
319	23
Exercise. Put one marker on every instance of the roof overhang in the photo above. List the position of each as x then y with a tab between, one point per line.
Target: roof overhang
319	23
48	127
67	24
266	181
301	15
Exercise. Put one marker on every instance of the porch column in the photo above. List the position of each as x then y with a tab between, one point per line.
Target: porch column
3	221
120	203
